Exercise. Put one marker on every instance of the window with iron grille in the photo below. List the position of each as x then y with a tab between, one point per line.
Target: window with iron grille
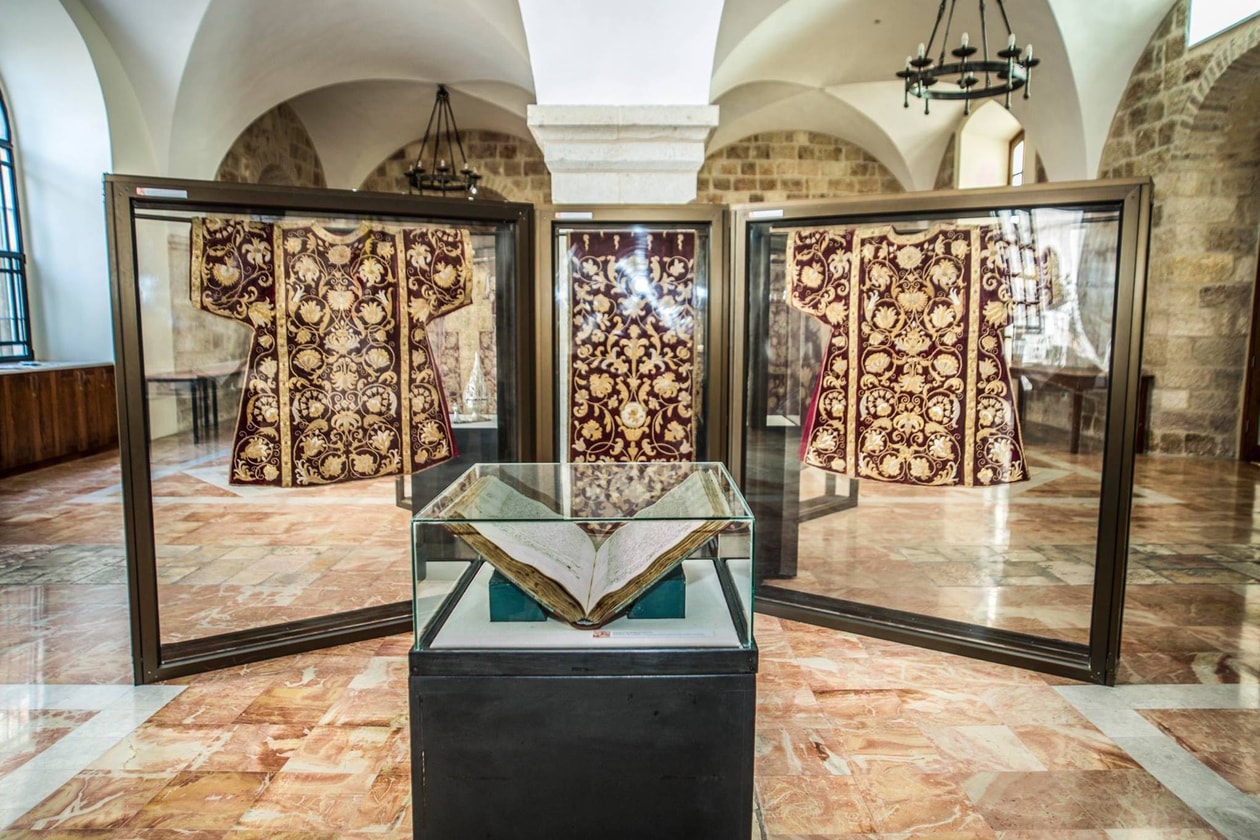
15	334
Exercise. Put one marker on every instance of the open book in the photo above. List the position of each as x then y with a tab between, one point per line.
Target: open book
560	565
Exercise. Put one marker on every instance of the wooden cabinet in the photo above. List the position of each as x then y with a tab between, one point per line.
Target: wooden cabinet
56	412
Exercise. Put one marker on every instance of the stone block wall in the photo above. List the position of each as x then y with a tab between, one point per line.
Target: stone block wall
511	167
1190	119
274	149
785	165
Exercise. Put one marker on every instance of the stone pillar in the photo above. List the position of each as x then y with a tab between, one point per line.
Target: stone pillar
622	154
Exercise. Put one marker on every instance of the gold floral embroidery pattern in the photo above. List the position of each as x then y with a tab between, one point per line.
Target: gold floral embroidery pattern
914	388
632	330
340	383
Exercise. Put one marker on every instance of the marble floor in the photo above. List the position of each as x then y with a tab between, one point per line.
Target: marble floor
856	737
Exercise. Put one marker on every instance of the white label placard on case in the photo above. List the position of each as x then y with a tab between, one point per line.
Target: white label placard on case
161	192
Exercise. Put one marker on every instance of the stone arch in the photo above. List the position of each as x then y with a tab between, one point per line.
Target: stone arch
499	188
785	165
510	166
1206	236
276	146
1241	44
1203	262
1170	125
489	193
276	174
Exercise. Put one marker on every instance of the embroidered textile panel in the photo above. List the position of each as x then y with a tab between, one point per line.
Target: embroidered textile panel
914	387
632	381
341	383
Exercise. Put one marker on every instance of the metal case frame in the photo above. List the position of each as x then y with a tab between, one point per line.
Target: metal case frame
1098	660
153	660
718	329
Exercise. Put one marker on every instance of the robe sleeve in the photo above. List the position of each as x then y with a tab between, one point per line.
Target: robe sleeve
439	267
820	272
232	272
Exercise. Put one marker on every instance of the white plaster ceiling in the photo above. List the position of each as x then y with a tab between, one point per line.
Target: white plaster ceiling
398	112
248	56
848	51
361	74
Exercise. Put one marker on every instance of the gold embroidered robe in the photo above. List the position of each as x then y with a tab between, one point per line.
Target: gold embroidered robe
632	324
341	383
914	387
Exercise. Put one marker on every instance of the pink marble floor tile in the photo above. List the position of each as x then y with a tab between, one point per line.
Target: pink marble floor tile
206	703
829	805
93	801
205	801
929	706
293	704
1089	799
784	751
158	750
349	751
316	802
1017	705
982	748
905	802
862	709
894	746
1073	747
25	733
1226	740
251	748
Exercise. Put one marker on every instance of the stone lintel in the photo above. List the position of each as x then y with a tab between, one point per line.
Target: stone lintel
622	154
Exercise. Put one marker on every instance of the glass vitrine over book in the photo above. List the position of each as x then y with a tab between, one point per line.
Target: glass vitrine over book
602	555
584	658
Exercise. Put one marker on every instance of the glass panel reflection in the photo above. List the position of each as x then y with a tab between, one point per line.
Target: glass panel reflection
963	394
631	309
283	404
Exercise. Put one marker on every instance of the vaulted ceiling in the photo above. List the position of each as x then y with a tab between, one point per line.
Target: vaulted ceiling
361	75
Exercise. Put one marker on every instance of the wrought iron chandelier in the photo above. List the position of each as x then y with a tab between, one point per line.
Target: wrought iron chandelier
1009	71
440	175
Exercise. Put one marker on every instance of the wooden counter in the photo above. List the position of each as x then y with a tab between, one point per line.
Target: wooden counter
54	411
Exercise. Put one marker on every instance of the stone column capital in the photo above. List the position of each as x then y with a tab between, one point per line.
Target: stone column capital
622	154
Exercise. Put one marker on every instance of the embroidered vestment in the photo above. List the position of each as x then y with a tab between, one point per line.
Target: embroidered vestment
341	383
914	386
632	338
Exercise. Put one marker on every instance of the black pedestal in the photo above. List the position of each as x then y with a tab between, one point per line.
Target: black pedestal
554	749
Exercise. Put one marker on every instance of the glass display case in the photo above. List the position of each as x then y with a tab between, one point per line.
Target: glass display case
586	542
633	333
626	707
284	357
970	361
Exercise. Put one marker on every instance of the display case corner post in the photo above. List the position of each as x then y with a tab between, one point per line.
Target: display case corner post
138	544
1121	442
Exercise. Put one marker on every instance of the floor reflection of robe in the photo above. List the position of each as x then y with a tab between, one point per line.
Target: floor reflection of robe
914	387
341	382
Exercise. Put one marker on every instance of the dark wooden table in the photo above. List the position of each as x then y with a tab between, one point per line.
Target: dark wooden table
1078	381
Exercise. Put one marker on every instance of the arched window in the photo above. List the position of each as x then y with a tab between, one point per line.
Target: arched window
15	334
1016	160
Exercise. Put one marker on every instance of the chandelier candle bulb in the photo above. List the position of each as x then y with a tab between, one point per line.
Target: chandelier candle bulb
974	72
